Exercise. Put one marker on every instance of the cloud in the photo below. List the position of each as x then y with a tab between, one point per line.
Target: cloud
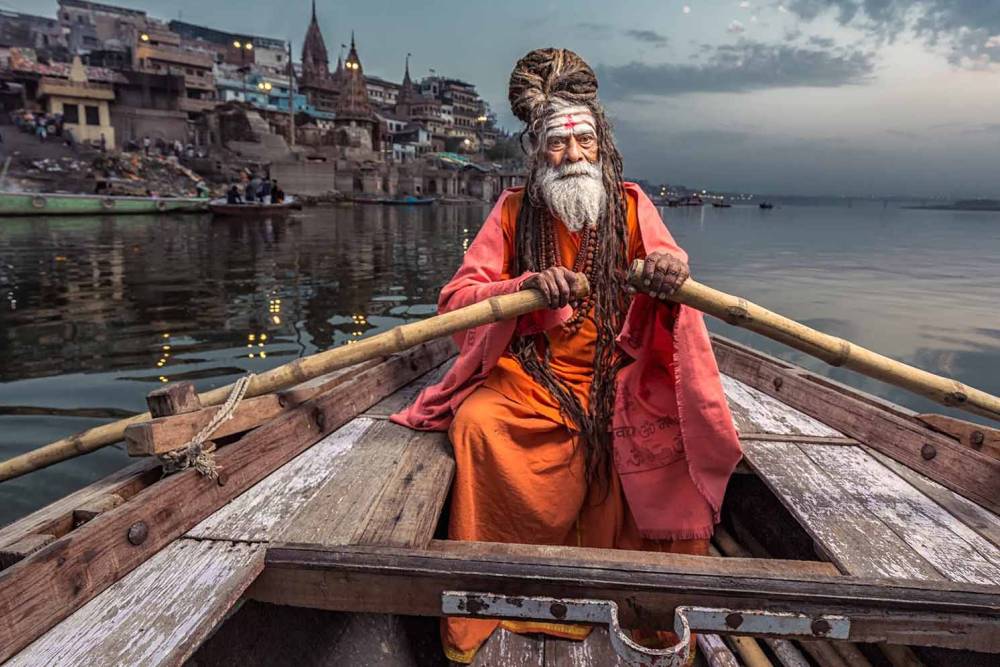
742	67
594	28
648	36
968	29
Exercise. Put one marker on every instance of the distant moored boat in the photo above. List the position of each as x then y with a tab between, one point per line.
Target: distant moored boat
48	203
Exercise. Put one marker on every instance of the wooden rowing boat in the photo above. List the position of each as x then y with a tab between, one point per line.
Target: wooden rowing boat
220	208
48	203
321	541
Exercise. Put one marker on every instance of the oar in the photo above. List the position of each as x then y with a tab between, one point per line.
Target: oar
395	340
834	351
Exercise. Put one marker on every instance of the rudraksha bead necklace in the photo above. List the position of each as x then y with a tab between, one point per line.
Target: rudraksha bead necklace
584	264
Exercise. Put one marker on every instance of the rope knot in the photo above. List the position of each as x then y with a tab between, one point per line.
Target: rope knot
199	453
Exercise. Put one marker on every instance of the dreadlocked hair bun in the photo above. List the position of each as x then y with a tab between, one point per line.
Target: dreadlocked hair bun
545	76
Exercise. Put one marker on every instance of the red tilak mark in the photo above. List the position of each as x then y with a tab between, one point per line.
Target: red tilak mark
570	123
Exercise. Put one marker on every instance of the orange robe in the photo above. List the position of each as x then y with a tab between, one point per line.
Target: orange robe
520	475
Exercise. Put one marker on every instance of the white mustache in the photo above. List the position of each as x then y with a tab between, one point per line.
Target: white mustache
582	168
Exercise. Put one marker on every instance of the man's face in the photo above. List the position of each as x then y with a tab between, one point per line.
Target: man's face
570	147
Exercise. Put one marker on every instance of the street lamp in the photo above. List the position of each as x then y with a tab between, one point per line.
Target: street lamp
144	37
265	87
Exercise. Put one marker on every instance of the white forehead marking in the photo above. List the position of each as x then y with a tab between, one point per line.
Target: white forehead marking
565	121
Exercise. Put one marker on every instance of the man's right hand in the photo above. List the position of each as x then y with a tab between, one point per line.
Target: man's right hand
557	283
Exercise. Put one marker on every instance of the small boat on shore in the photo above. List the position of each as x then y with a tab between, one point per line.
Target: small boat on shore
408	200
221	208
50	203
766	205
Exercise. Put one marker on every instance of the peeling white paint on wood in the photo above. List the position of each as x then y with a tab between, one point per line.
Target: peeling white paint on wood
954	549
976	517
158	614
857	541
509	649
262	510
756	412
594	651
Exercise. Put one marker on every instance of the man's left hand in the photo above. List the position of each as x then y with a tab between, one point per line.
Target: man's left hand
662	275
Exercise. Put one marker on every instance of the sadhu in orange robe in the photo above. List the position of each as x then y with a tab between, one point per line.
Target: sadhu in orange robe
520	473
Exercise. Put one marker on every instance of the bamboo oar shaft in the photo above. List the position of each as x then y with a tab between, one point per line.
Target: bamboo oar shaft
834	351
395	340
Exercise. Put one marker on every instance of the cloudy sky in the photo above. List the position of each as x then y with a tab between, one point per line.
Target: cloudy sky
798	96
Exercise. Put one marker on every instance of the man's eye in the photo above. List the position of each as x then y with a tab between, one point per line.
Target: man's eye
557	144
587	140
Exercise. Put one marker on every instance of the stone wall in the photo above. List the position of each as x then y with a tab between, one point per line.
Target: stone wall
134	123
305	178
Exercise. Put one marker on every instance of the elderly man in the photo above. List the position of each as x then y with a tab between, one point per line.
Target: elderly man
597	423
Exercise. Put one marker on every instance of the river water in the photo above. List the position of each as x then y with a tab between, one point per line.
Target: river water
96	312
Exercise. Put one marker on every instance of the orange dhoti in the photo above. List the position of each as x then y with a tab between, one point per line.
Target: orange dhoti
521	477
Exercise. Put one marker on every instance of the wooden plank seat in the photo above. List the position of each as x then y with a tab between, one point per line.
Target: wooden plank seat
162	611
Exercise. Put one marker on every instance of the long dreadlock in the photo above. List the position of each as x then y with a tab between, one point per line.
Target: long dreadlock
541	78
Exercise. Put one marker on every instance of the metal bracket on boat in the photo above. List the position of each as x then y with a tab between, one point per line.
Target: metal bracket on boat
686	619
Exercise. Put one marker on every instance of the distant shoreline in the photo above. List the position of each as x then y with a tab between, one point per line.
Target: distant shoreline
991	206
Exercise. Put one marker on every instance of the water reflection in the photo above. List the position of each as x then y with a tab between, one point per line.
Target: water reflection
95	312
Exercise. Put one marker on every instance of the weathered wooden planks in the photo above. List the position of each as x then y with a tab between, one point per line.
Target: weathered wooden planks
158	614
58	518
974	436
400	399
594	651
867	519
406	581
755	412
853	539
407	509
952	548
905	439
509	649
171	432
981	520
260	513
44	588
390	490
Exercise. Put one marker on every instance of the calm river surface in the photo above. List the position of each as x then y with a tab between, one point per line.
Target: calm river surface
96	312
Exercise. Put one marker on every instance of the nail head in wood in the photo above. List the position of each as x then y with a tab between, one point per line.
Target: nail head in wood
928	451
138	532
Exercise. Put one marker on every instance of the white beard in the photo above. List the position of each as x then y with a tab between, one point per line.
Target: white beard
574	192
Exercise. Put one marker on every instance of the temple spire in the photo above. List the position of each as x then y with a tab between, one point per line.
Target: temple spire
314	11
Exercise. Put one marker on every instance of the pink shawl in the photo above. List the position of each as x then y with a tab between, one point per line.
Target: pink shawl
674	378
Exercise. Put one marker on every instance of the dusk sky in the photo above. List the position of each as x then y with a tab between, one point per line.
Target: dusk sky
883	97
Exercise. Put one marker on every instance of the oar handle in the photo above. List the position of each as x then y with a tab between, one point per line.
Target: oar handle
834	351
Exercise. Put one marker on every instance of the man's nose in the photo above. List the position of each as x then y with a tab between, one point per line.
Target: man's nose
573	152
